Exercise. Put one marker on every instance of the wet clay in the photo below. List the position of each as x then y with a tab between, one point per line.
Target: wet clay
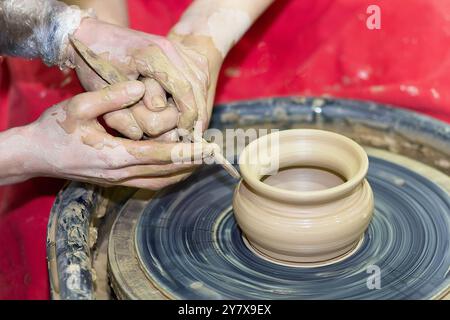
224	21
112	75
315	211
304	179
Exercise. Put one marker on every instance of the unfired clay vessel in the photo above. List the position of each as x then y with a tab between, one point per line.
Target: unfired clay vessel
315	210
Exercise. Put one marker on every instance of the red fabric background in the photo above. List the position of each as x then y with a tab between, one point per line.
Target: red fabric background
299	47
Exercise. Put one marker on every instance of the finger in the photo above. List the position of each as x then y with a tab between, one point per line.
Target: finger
152	62
156	152
120	152
91	105
124	122
106	176
195	69
140	171
155	183
169	136
155	96
199	80
91	81
155	123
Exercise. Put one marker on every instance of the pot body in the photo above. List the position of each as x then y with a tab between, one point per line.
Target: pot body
313	227
306	234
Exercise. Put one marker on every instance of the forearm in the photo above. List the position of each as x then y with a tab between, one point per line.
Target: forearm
111	11
37	29
16	161
222	21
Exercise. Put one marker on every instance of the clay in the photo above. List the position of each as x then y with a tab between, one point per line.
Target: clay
102	67
172	66
223	21
155	96
313	212
175	77
153	57
155	123
304	179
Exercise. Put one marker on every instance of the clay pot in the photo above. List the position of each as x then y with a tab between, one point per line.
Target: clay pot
315	210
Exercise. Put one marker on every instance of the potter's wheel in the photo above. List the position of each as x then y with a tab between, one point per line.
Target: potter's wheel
189	246
184	243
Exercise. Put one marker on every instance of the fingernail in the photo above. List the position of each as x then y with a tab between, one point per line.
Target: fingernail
135	89
134	130
135	133
158	102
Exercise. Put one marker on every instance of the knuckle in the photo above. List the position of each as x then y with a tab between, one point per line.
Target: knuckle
151	84
114	177
152	130
134	133
183	86
76	105
155	186
114	119
107	94
150	123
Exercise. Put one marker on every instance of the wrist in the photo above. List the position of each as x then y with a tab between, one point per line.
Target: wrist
17	157
69	21
224	22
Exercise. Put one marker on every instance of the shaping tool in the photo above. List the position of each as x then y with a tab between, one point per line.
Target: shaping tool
112	75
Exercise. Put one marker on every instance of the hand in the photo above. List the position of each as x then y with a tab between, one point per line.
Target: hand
69	142
170	67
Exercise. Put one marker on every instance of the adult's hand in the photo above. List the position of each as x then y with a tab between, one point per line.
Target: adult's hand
170	67
68	142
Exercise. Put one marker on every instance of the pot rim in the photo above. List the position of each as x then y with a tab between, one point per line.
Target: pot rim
307	197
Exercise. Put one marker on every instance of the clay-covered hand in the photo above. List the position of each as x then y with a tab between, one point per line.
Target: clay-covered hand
69	142
170	69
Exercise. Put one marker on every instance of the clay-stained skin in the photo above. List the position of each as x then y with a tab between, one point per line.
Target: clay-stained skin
156	123
181	71
224	21
224	26
208	61
165	67
68	142
154	97
112	75
15	149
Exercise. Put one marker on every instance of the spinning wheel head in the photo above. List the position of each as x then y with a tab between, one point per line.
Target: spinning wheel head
190	246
